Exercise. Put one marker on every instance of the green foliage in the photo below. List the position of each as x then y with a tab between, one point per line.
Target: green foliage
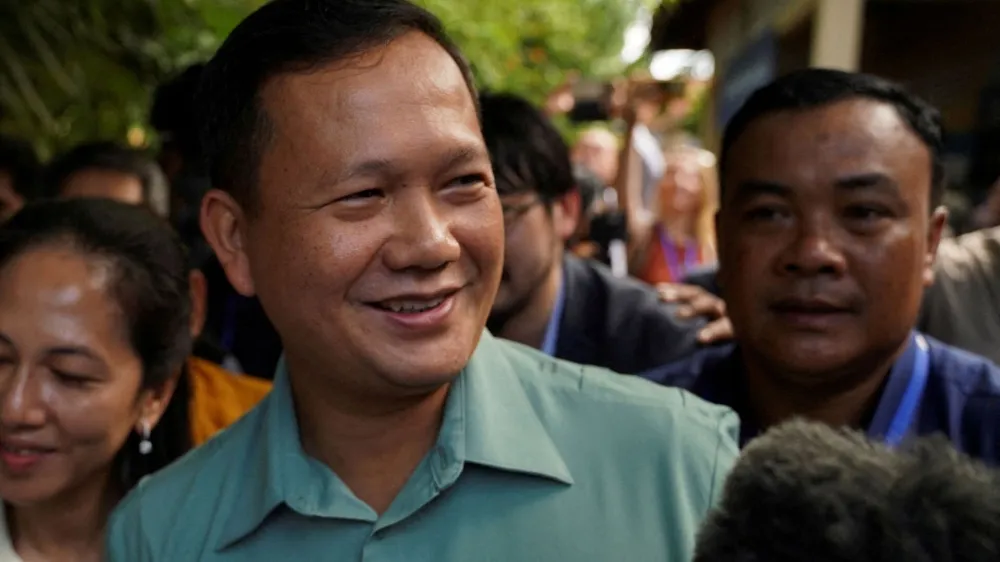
527	46
75	70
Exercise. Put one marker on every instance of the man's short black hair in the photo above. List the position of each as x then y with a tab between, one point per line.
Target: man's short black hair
526	149
815	87
19	160
111	156
287	36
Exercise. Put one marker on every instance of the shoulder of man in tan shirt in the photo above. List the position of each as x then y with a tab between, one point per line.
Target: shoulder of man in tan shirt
963	306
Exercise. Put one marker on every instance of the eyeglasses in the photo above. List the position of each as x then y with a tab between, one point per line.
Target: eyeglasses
514	211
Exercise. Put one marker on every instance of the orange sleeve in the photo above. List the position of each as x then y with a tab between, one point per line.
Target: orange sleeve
219	398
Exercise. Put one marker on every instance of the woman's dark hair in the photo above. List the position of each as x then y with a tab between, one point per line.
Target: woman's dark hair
151	288
287	36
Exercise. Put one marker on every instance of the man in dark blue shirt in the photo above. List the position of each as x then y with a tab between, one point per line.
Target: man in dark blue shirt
828	227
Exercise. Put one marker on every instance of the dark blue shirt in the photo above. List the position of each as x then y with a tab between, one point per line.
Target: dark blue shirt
961	398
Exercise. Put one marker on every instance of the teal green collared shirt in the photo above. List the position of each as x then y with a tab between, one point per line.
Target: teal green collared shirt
537	460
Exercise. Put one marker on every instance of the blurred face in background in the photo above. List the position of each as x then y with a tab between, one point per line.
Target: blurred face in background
597	150
826	238
682	188
536	234
69	378
105	184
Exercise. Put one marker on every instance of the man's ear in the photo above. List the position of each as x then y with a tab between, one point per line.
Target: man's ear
566	214
223	222
935	230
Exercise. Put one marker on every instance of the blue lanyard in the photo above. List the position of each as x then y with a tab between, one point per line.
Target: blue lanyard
903	418
552	330
677	271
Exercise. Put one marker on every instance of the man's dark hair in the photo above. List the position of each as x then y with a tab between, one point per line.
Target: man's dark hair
526	149
288	36
19	160
815	87
150	291
113	157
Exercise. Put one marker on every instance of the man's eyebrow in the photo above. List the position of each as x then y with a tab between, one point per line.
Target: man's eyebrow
875	180
383	167
366	168
752	188
462	155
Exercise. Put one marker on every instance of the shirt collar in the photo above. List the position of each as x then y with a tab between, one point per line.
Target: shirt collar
488	420
279	472
503	430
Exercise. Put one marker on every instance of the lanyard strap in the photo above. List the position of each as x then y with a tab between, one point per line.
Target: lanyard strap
677	270
552	330
903	418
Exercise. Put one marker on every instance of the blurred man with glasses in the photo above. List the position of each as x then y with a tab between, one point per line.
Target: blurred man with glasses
569	308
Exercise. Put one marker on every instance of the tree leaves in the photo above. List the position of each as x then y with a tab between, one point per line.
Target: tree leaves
77	70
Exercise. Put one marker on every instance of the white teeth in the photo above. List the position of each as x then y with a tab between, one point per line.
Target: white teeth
412	307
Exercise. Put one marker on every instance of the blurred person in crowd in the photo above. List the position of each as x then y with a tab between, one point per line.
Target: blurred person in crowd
828	229
804	492
987	213
962	308
641	161
597	150
679	237
591	190
94	331
174	116
20	176
363	214
237	323
600	233
105	169
569	308
640	101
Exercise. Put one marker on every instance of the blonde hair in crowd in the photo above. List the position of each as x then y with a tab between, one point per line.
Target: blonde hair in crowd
704	221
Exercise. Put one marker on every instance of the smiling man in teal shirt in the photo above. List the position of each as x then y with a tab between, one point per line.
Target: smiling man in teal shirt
357	202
